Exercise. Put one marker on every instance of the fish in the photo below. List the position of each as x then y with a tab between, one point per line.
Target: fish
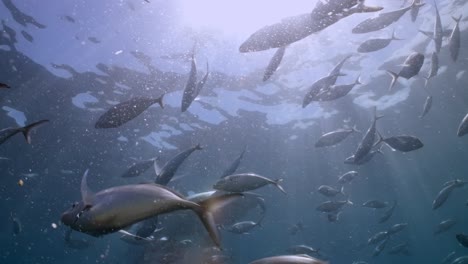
365	159
303	249
4	86
295	28
427	106
376	238
454	40
376	204
445	33
403	143
289	259
245	182
401	248
243	227
449	257
147	227
94	40
192	88
437	30
69	18
347	177
337	91
443	195
329	191
444	226
372	45
167	172
274	63
411	68
434	67
138	168
333	216
123	112
461	260
462	128
9	132
320	86
367	142
396	228
415	10
116	208
383	20
17	226
387	214
379	248
462	239
334	137
332	206
234	165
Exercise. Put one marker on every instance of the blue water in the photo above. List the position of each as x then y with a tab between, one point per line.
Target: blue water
71	72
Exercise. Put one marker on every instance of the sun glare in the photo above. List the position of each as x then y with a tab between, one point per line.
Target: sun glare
240	17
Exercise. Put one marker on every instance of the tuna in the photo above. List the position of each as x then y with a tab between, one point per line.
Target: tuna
245	182
7	133
445	193
372	45
411	68
463	127
334	137
427	106
444	226
167	172
454	41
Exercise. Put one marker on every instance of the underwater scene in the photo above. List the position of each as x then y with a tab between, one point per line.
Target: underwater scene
234	132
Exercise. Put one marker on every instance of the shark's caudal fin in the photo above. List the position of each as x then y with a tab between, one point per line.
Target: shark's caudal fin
208	207
26	130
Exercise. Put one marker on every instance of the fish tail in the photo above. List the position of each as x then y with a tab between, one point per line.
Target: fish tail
394	79
380	139
349	202
457	20
355	129
342	191
208	207
394	37
376	116
160	100
26	130
277	184
426	81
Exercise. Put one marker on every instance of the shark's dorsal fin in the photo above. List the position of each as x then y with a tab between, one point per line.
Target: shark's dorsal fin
86	194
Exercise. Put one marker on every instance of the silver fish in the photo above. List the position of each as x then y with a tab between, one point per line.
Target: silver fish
123	112
332	206
292	29
329	191
138	168
367	142
320	86
434	67
372	45
403	143
274	63
437	30
387	214
245	182
444	226
289	259
401	248
347	177
113	209
7	133
234	165
303	249
376	238
462	239
445	193
365	159
243	227
383	20
376	204
462	128
192	88
427	106
337	91
449	257
27	36
454	41
396	228
166	173
380	247
411	68
334	137
461	260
